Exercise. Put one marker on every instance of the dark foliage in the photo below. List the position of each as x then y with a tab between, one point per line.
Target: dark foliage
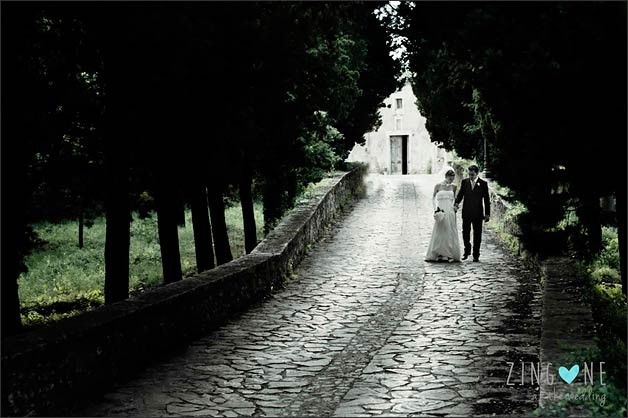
114	107
544	84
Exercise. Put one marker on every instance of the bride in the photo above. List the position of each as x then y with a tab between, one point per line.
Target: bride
444	245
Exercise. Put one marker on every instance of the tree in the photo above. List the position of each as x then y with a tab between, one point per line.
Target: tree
310	81
218	222
24	106
51	112
201	226
377	80
117	53
246	200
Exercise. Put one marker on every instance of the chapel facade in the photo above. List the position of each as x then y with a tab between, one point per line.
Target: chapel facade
401	145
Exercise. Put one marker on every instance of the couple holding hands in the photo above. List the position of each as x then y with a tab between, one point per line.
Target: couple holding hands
444	244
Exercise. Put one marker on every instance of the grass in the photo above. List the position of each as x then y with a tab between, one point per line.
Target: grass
63	280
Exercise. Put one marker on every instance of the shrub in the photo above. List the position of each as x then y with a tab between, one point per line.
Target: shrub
608	400
605	275
609	256
600	401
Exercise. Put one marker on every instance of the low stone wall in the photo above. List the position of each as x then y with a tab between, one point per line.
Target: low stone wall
567	327
51	371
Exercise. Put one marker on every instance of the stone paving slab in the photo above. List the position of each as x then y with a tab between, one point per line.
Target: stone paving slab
367	328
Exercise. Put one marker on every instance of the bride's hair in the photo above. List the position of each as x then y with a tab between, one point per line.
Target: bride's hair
450	173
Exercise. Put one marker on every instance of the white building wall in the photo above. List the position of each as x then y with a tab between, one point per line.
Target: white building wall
423	156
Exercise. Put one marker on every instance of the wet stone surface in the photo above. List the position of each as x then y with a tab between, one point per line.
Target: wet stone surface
367	328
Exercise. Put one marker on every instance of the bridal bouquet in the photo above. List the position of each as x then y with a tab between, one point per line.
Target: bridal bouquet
439	215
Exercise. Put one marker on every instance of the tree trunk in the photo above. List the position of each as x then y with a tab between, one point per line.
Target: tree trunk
81	224
202	228
117	203
272	201
589	214
248	214
292	187
12	264
11	320
219	225
20	129
117	125
167	216
621	234
118	226
181	210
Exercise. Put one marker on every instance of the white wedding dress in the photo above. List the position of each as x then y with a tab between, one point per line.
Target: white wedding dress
444	244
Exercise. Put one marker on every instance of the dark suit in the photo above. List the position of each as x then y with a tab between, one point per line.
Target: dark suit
473	212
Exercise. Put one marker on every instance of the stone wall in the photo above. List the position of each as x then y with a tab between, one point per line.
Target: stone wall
567	328
52	371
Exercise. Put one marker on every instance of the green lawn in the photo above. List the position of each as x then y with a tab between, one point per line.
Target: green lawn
63	280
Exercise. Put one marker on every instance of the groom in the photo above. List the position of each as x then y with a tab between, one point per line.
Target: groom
473	190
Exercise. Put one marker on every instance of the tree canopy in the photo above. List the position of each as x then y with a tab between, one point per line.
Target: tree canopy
544	84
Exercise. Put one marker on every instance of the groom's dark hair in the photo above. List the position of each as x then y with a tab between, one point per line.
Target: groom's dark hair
474	168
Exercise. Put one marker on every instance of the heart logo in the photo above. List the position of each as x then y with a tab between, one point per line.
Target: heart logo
569	375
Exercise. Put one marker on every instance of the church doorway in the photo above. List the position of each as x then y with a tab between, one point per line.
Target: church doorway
399	154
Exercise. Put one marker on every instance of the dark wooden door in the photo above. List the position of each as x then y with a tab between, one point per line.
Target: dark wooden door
395	155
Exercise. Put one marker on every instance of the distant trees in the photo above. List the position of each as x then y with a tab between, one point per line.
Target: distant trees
134	106
545	85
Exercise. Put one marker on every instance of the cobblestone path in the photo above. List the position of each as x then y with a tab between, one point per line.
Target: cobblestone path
367	328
